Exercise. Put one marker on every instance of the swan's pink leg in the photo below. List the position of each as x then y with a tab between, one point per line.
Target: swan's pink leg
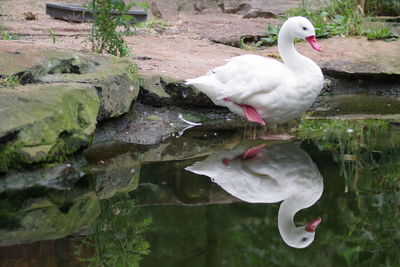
252	152
252	114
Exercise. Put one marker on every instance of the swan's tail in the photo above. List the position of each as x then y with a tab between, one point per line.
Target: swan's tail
207	84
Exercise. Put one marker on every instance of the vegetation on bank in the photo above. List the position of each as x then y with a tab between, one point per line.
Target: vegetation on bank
111	15
357	145
10	81
367	152
338	17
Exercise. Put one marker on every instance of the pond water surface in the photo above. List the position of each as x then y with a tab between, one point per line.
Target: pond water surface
222	206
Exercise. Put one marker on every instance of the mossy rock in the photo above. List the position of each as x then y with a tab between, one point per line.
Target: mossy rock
60	177
117	175
62	94
116	80
166	91
44	122
50	216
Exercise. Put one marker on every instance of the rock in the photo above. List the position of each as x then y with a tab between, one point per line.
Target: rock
117	175
198	7
116	80
258	13
60	177
157	140
165	91
44	122
355	105
61	97
151	125
241	8
50	216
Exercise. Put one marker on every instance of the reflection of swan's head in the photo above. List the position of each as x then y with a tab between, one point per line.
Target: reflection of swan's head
302	236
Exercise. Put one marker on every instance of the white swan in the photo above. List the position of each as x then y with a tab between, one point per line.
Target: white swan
268	174
258	87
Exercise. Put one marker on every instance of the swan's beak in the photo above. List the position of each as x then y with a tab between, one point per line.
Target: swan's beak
312	40
313	225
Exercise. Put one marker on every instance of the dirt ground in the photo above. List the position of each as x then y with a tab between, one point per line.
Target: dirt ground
188	34
191	44
210	24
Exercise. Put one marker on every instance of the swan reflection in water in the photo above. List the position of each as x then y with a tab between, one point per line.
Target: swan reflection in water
269	174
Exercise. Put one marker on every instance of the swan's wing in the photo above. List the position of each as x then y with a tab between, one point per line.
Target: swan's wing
239	181
242	77
246	75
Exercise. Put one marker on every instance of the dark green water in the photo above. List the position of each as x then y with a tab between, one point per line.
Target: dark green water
178	218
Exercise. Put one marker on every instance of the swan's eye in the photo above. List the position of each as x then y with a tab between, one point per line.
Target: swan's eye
305	28
304	239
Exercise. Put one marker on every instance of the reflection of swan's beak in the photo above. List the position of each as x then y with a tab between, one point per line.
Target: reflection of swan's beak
313	225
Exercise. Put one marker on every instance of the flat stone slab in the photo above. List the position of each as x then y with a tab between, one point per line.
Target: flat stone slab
222	28
352	55
183	58
179	57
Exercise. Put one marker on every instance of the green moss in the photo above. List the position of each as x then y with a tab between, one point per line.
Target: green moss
153	85
153	118
40	218
48	121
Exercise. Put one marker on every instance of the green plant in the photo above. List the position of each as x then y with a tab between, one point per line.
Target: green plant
9	36
247	45
376	33
155	23
109	16
271	36
10	81
335	17
117	235
52	35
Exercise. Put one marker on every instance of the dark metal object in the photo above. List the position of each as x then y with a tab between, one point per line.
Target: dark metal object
76	13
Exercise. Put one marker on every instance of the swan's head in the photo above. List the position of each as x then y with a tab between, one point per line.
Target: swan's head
302	236
302	28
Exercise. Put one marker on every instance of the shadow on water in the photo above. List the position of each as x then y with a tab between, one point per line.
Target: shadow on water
201	200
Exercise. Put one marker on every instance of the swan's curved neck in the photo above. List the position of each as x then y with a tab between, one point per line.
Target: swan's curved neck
287	51
287	211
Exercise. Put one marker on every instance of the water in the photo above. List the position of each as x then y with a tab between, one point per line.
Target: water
345	172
